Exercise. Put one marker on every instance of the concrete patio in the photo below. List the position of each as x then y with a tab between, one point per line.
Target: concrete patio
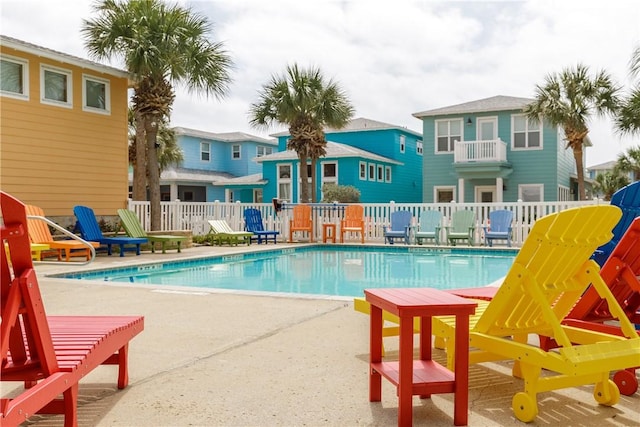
227	359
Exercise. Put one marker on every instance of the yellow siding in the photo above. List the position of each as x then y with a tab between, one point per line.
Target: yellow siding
57	157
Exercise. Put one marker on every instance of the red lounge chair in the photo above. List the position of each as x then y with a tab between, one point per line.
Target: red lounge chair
50	354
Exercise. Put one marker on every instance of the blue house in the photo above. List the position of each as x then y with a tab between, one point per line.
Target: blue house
488	151
217	166
383	161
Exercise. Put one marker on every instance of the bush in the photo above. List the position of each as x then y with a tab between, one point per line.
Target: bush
340	193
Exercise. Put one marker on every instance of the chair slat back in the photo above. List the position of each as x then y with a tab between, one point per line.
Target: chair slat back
131	223
301	216
430	220
38	230
400	220
353	216
87	223
253	220
462	220
500	220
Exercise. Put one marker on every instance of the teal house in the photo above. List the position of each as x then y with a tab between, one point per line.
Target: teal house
217	166
383	161
488	151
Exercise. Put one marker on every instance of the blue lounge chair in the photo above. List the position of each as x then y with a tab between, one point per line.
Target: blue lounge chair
400	227
89	229
253	223
499	227
628	200
429	226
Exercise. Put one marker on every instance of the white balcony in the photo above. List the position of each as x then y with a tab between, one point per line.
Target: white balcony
494	150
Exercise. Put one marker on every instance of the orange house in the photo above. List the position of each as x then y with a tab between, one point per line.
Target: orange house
63	130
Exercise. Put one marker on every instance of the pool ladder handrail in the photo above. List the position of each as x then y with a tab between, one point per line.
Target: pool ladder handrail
67	233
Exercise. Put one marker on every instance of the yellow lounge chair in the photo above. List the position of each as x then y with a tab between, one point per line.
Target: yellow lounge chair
221	232
548	276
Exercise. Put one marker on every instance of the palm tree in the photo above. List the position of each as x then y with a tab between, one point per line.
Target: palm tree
160	45
628	119
609	182
303	100
568	100
630	162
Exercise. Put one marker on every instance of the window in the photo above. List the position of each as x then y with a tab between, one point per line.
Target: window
402	143
419	148
95	94
363	170
447	133
444	194
14	77
257	195
284	182
372	172
329	172
531	192
205	151
380	173
263	151
526	133
235	151
55	86
387	174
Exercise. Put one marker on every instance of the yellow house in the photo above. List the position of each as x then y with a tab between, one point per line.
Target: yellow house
63	130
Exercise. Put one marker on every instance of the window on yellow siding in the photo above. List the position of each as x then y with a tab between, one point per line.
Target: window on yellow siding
95	95
14	77
55	86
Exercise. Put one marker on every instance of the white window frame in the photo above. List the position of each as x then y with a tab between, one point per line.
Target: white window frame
24	95
236	149
419	147
205	151
257	195
437	189
107	95
380	173
526	133
451	141
536	187
284	181
69	75
362	170
387	174
262	150
372	171
329	179
403	143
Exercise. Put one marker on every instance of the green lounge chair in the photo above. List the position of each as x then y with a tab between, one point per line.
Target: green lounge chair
221	232
133	228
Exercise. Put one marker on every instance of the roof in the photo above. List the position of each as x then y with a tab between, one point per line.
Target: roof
334	150
255	179
603	166
361	124
224	136
60	56
191	175
494	103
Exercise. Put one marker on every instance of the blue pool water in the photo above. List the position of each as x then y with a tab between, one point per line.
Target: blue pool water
335	271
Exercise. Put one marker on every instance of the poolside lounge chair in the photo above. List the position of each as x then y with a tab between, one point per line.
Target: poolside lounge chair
90	230
499	227
627	199
39	234
254	224
48	354
301	221
548	276
133	228
462	227
353	222
428	226
221	232
400	227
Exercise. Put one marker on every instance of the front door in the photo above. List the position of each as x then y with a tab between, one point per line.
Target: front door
485	194
487	128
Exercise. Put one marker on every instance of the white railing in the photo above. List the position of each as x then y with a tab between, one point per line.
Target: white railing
494	150
193	216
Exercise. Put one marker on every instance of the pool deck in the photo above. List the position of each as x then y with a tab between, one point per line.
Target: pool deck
211	358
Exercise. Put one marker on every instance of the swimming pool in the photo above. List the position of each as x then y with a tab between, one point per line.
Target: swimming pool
321	270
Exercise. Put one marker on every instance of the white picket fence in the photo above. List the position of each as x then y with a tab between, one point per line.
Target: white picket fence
194	216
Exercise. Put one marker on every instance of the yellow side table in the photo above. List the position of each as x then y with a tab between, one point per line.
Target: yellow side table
36	250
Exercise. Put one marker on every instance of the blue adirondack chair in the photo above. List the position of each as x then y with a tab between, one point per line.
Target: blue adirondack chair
499	227
253	223
400	227
89	229
428	227
628	200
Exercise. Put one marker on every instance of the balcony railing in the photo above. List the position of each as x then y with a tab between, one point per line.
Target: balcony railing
494	150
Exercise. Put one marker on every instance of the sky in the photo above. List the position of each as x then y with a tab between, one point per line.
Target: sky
392	58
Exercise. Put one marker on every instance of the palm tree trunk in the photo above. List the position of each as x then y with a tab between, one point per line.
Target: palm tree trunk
314	189
140	166
304	177
577	155
153	170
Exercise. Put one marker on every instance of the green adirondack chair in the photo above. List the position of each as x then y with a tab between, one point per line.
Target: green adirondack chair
462	227
133	228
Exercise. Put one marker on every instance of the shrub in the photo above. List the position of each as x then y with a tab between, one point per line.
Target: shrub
340	193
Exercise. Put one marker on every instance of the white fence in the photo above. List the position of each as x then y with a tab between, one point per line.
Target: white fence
193	216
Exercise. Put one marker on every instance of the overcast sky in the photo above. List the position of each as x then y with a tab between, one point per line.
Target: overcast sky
393	57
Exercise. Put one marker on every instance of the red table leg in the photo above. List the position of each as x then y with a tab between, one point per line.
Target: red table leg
375	354
461	399
405	383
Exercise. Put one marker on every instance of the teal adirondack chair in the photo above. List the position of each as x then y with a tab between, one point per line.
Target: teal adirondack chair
499	227
462	227
429	226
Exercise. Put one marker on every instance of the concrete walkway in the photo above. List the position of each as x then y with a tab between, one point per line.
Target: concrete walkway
223	359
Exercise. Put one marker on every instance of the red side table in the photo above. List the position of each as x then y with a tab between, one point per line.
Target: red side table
326	235
424	376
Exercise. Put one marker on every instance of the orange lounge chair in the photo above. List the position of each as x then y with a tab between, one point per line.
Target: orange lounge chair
49	354
353	222
39	233
301	221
